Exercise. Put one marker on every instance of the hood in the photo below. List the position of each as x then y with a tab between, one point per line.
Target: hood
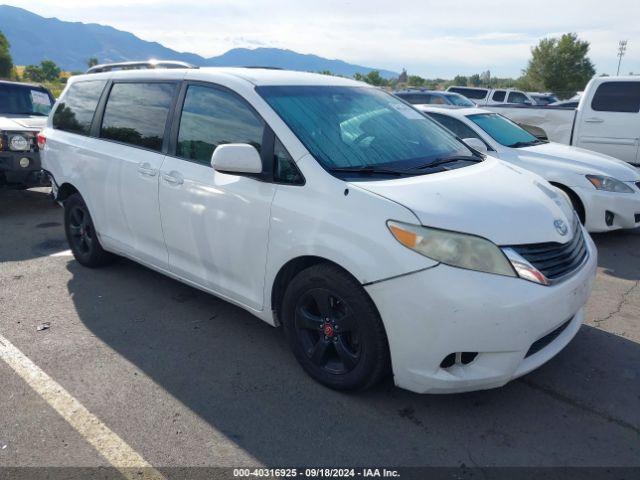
583	161
22	122
505	204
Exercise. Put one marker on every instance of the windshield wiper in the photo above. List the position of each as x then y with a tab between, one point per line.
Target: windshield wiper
444	160
367	170
526	144
39	114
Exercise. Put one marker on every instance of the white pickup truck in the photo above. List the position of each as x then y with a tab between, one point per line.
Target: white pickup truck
494	96
607	119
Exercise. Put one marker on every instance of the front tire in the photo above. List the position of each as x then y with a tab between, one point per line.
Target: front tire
334	329
81	234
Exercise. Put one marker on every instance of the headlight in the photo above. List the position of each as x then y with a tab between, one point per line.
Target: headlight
18	143
609	184
455	249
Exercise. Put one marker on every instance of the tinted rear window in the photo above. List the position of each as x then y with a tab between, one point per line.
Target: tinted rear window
498	95
476	94
617	97
416	98
75	111
24	100
136	114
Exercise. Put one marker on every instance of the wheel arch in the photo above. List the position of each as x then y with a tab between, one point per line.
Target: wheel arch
576	201
288	271
65	191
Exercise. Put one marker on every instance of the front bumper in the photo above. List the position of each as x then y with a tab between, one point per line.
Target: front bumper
625	208
431	314
12	175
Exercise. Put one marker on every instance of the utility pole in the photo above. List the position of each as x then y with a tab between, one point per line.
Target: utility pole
622	48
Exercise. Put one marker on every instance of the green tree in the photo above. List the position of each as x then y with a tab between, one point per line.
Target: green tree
460	80
475	80
50	70
559	65
416	81
33	73
6	63
92	62
372	78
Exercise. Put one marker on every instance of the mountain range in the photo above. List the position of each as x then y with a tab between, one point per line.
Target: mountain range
70	44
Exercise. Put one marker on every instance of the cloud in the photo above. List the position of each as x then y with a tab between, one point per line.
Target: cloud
427	37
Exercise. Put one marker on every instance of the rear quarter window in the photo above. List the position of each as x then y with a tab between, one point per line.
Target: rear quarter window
76	109
617	97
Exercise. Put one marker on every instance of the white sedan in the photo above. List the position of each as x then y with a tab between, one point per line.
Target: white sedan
604	191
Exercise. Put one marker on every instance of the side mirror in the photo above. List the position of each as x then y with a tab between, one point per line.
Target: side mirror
236	158
476	144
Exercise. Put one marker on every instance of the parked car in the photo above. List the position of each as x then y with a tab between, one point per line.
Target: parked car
607	119
494	96
543	98
23	113
434	97
569	103
605	192
375	237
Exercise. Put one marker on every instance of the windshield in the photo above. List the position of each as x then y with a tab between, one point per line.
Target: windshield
503	130
24	100
459	100
361	127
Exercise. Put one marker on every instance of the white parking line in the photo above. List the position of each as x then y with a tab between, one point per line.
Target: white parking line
106	442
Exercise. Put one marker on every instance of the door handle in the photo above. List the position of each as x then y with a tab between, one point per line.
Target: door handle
173	178
593	120
145	169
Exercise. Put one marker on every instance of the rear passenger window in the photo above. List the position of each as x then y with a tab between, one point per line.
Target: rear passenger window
75	111
212	117
517	97
617	97
136	114
498	96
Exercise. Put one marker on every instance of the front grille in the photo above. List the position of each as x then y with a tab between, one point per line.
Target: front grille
555	260
547	339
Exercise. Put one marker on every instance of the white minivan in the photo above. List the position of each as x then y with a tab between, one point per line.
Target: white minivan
377	239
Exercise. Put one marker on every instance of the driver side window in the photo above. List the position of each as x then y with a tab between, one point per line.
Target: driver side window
456	126
212	117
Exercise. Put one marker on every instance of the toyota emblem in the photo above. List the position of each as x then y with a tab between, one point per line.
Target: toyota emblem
561	227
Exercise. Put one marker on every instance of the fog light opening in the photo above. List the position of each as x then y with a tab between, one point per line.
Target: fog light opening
458	358
608	217
24	162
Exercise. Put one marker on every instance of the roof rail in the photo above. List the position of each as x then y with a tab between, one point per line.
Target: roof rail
140	65
263	67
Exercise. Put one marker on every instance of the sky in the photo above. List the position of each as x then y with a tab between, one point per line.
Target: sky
428	38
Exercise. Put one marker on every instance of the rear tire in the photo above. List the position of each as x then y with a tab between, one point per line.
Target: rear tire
334	329
81	234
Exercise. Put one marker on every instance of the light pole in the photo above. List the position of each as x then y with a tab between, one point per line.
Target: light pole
622	48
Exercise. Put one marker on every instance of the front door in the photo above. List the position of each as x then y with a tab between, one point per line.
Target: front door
216	225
